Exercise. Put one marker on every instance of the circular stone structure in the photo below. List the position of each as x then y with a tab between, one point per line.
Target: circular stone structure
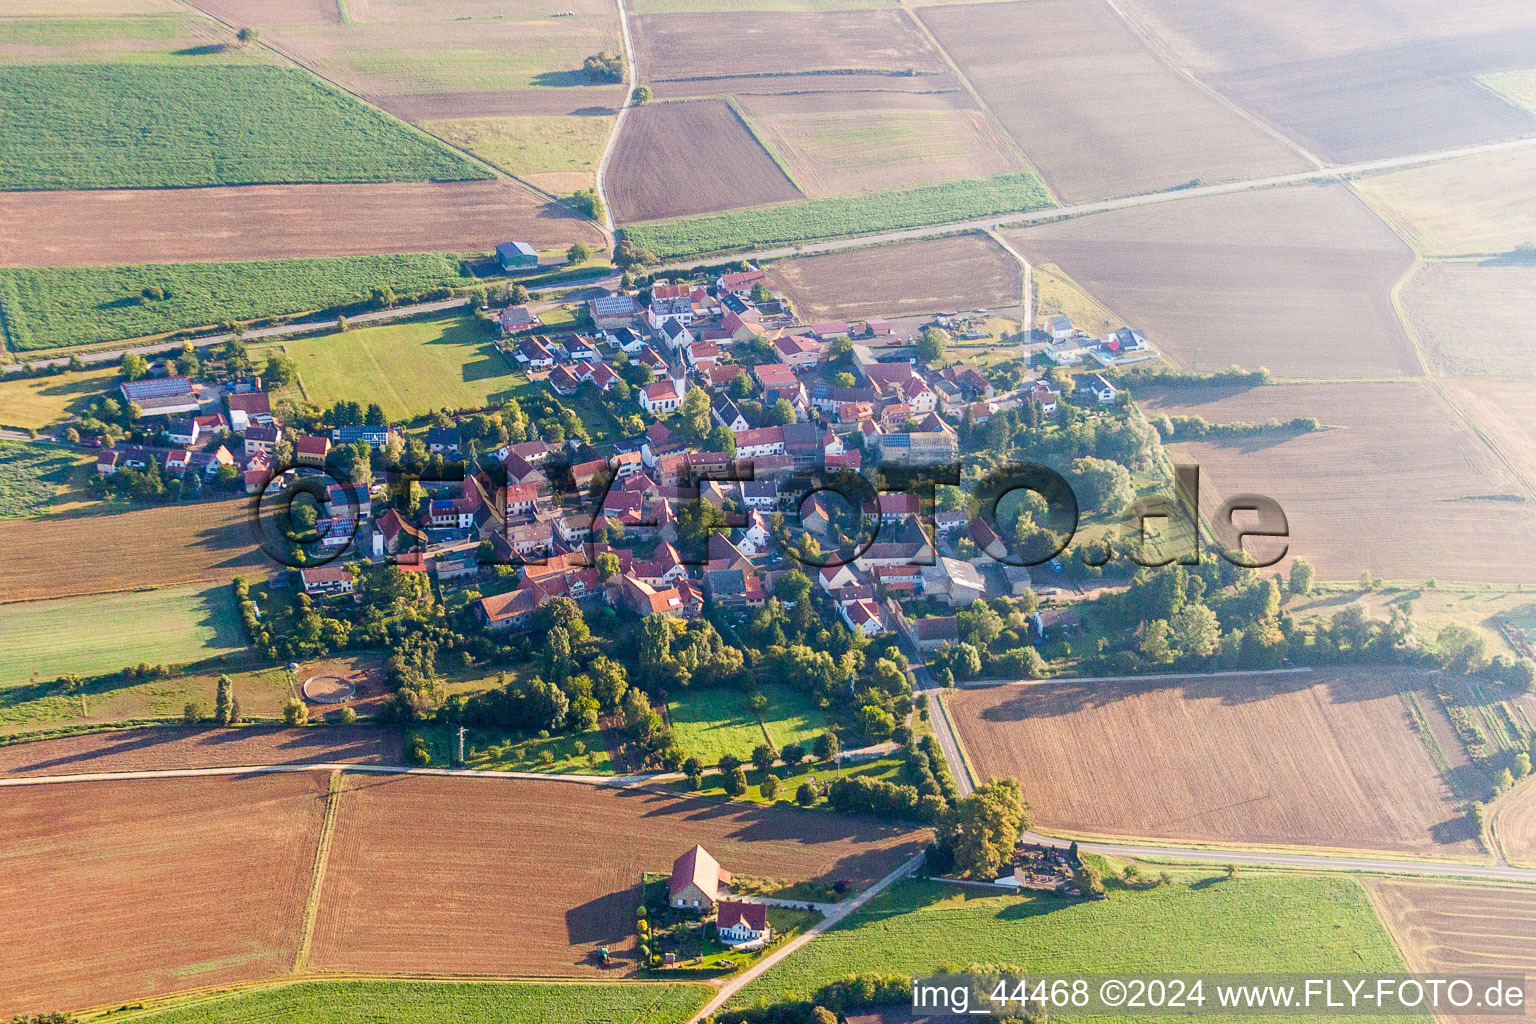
328	690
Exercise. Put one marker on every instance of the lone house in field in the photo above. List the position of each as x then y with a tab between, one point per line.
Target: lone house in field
517	256
696	881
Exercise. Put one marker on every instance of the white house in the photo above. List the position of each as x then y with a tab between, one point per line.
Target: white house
678	308
1102	389
740	923
662	397
1058	327
675	335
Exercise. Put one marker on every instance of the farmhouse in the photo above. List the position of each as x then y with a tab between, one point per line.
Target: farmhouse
327	581
696	881
309	450
612	312
741	923
517	256
253	408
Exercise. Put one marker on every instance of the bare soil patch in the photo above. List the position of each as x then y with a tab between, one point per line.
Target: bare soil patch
1474	318
504	876
1325	761
693	52
1398	485
1295	279
113	892
152	547
1097	112
273	12
1454	929
1505	411
837	143
1357	81
133	750
962	272
274	221
659	170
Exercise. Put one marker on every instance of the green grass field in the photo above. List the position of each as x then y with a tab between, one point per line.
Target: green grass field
499	752
148	126
106	632
36	402
49	307
713	722
408	368
1252	924
425	1002
789	223
30	477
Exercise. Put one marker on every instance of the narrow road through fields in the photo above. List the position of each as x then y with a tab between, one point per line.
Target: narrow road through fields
1332	173
618	122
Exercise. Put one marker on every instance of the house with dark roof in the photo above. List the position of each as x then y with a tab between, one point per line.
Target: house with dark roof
743	924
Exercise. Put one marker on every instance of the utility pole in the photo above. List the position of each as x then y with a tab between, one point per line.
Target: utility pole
461	744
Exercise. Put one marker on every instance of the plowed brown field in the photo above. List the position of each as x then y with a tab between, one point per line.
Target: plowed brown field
502	876
152	547
1466	929
1398	485
1286	760
929	276
116	891
1295	279
1096	111
659	169
184	225
154	749
764	50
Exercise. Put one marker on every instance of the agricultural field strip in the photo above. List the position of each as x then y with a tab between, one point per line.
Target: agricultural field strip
1439	869
1331	173
618	121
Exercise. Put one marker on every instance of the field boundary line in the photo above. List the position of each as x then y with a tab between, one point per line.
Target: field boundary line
317	880
1495	839
1164	56
762	140
981	104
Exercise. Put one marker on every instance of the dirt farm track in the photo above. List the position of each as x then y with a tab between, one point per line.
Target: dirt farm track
1323	760
423	875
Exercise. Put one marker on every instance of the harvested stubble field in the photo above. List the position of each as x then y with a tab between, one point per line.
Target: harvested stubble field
557	154
1356	81
36	402
839	142
154	547
49	307
1453	929
1398	485
968	271
165	747
1327	760
117	891
1086	75
1295	279
658	171
32	476
257	222
716	53
1478	205
1516	826
506	876
1474	318
105	126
